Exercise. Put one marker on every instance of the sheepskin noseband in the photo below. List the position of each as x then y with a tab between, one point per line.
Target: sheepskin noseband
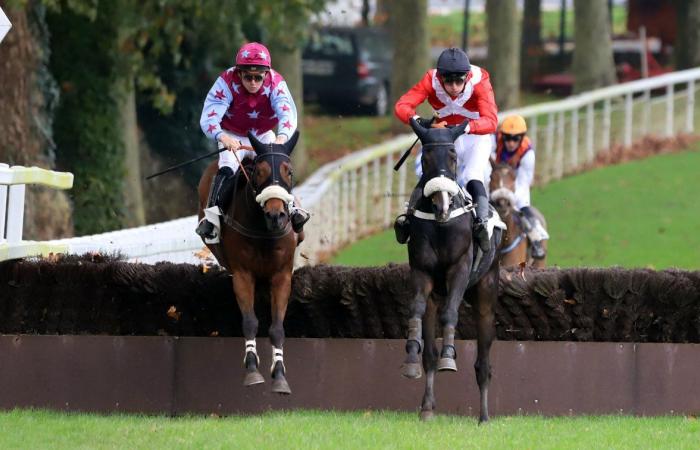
274	191
440	183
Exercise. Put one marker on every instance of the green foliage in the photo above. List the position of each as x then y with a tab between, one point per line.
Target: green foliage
86	125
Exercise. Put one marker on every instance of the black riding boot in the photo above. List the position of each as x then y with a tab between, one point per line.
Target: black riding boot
402	227
530	223
481	207
205	228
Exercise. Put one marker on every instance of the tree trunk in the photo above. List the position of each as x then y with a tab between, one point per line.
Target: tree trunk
531	50
687	47
28	95
408	24
135	214
503	59
593	57
288	63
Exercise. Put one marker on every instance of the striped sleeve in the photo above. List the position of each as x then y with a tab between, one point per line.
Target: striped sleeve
285	109
215	106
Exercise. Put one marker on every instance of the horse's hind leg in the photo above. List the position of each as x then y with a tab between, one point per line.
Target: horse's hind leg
423	285
430	355
244	288
280	289
487	293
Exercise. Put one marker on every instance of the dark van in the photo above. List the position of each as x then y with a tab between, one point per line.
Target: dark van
349	68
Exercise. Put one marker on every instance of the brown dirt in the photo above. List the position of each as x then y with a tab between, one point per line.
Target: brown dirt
98	295
644	148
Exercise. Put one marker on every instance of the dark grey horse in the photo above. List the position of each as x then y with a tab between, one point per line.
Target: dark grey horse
444	266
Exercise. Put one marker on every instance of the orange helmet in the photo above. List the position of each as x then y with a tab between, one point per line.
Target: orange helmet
514	125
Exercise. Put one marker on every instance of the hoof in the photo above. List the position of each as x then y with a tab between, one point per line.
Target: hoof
412	370
426	416
253	378
280	386
447	364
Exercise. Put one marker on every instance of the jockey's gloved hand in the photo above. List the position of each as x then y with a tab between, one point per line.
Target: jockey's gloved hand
424	122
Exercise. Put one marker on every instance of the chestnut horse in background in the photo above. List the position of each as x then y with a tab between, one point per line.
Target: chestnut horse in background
515	247
257	243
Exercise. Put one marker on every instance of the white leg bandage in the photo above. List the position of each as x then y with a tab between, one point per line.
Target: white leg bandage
251	347
277	355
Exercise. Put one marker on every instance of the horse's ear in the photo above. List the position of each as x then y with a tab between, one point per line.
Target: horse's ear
493	163
291	143
418	128
258	146
459	129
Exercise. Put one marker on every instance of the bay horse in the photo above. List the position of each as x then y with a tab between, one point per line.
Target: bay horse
443	264
516	246
257	244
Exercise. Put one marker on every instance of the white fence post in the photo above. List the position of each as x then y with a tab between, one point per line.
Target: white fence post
590	118
669	110
606	124
628	119
690	107
574	140
3	205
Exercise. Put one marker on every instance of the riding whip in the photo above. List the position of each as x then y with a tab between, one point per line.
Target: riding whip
399	163
170	169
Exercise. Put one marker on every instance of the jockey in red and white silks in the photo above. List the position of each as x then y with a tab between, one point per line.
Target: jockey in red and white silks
230	108
476	103
459	91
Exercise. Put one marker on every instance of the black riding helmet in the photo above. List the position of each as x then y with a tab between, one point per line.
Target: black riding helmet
453	60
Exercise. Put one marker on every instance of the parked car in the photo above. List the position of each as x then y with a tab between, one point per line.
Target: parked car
628	66
348	68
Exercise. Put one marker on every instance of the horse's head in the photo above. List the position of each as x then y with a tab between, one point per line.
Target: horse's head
439	163
272	180
502	188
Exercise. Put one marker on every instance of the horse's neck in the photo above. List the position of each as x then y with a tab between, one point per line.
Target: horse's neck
513	227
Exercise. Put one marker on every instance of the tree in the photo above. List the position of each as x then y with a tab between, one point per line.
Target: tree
28	95
687	47
503	59
593	56
408	24
531	50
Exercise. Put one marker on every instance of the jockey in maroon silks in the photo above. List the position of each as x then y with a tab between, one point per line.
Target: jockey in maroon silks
248	97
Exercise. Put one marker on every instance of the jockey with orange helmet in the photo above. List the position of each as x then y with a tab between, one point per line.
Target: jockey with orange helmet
513	147
249	96
457	91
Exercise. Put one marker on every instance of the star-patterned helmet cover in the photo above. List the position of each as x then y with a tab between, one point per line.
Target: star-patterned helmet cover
254	54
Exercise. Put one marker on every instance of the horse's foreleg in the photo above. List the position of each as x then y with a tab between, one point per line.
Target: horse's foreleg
430	355
244	288
487	293
281	287
457	281
423	285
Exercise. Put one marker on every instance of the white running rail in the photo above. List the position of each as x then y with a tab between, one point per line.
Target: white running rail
361	193
13	181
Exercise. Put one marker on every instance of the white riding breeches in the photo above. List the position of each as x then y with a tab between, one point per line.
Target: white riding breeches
228	159
473	151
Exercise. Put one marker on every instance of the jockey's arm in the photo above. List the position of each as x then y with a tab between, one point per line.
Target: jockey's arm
286	111
216	104
524	178
488	119
405	107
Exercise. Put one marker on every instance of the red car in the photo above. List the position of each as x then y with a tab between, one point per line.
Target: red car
628	66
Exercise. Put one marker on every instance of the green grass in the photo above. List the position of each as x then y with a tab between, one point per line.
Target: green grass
447	29
640	214
21	429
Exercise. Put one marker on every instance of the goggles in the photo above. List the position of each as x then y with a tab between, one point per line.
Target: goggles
512	137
